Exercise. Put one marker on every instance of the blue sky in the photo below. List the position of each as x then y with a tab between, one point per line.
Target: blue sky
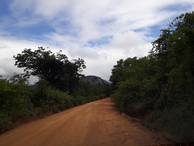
99	31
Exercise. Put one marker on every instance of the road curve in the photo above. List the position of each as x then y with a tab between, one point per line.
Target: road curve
93	124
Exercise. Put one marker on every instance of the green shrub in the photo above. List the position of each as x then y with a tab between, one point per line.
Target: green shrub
161	82
49	98
14	103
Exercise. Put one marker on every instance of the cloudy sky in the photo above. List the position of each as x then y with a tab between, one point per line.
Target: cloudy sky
99	31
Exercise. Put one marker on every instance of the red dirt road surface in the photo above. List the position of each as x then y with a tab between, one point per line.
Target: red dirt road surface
97	123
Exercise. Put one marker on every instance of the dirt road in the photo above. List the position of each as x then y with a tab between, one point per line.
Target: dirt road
94	124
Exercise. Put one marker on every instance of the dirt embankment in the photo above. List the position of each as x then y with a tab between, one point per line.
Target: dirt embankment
93	124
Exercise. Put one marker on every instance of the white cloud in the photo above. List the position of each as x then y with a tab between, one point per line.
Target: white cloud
2	71
86	52
3	46
127	40
12	46
125	23
25	22
86	16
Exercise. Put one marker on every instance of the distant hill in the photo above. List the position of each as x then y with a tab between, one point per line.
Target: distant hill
94	79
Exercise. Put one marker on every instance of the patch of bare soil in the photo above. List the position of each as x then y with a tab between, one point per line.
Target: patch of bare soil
93	124
21	122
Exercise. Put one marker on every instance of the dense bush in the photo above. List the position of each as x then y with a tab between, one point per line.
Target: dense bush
14	103
59	86
161	83
48	98
20	101
88	91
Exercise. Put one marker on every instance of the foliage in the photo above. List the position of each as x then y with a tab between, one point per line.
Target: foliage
50	99
59	87
118	73
88	91
14	103
161	82
56	69
19	101
19	79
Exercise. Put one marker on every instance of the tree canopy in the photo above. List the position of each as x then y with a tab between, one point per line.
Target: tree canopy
54	68
163	81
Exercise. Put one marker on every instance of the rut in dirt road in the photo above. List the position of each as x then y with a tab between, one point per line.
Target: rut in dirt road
93	124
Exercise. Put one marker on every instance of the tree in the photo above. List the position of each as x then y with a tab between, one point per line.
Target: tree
162	82
19	79
54	68
118	72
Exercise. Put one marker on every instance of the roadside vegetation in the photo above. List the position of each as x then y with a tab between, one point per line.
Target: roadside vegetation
59	87
159	88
